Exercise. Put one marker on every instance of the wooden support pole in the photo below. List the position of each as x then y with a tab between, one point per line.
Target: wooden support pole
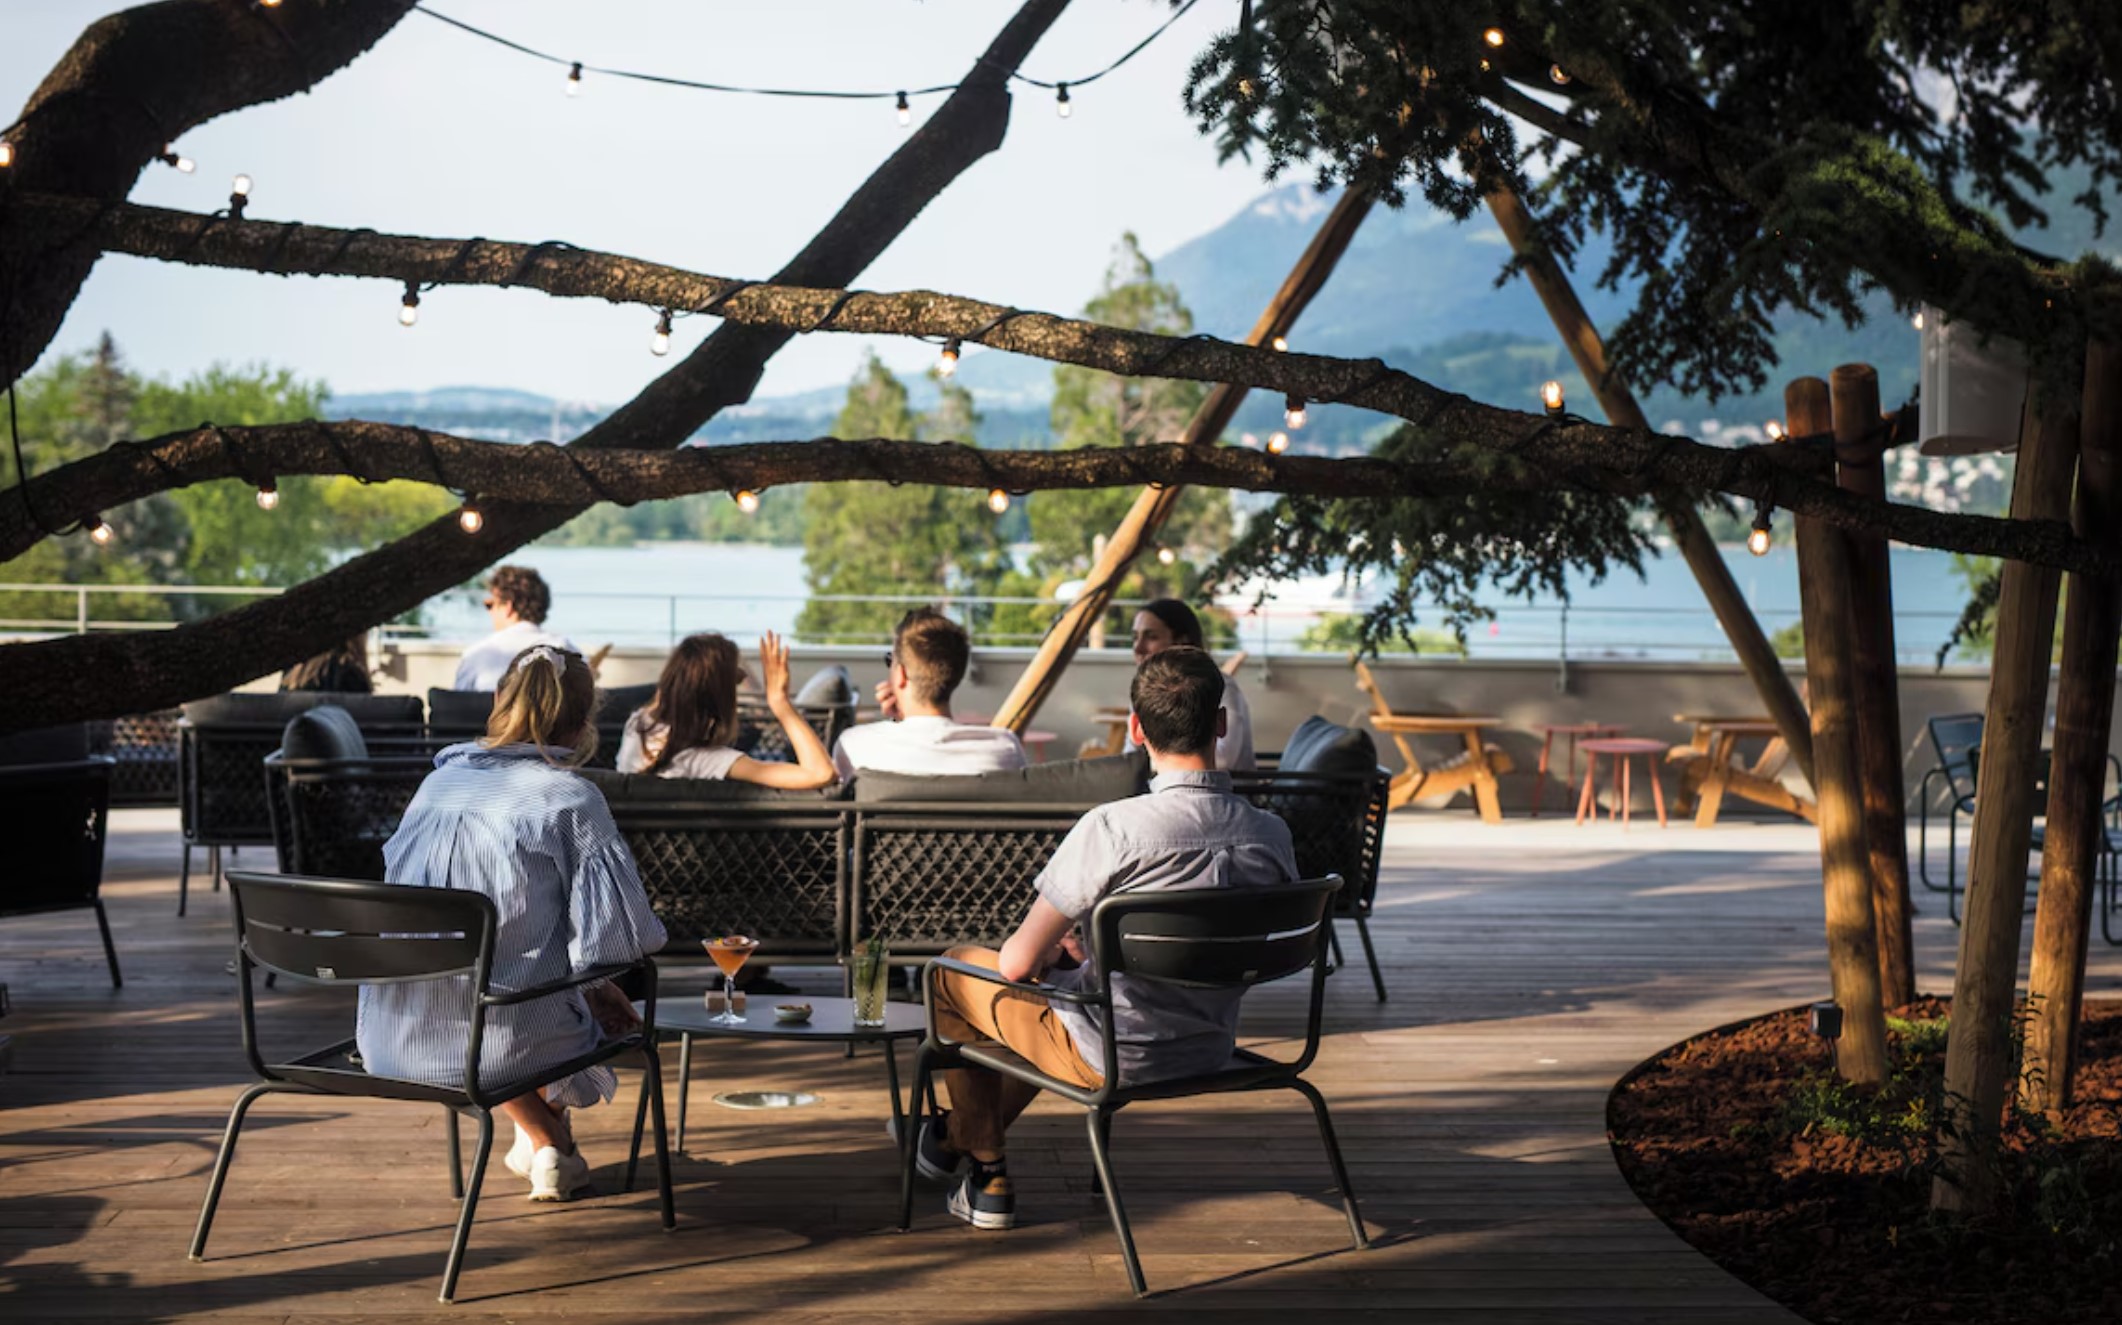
1699	550
1824	578
2077	779
1854	392
1138	530
1978	1053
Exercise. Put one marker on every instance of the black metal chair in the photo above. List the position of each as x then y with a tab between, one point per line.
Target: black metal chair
143	747
1199	938
1952	736
353	932
53	818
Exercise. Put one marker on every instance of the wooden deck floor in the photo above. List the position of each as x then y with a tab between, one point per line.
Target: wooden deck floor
1530	965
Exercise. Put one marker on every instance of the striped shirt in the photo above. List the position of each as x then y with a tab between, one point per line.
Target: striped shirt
541	843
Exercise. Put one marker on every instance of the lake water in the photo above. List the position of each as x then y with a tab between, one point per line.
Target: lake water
652	594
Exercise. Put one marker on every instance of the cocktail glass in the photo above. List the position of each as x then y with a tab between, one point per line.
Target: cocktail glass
730	952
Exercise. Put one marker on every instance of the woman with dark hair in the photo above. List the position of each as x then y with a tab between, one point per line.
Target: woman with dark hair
686	730
1164	622
342	669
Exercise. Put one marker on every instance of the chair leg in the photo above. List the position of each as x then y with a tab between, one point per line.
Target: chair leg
685	1081
1333	1157
110	950
1370	955
1333	943
213	861
633	1153
456	1156
470	1208
1100	1124
655	1110
184	879
910	1133
221	1163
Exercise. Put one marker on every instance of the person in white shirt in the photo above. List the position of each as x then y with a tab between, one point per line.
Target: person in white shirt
516	601
686	729
929	656
1165	622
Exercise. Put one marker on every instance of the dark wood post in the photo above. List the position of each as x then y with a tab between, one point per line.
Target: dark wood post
1978	1054
1854	389
1778	696
1824	580
2077	778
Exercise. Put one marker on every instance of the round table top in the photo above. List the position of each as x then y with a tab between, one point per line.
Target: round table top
830	1019
1581	728
1624	745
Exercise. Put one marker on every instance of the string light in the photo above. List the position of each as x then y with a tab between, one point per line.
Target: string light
7	154
997	500
409	307
268	495
99	533
747	501
239	194
268	4
1165	555
659	343
1558	75
1916	321
906	111
1279	344
1277	443
574	79
1494	37
1551	396
470	519
947	362
1061	102
1293	413
1757	542
1245	89
181	164
1774	429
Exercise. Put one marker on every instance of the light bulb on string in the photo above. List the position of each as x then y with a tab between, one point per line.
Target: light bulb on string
1165	555
409	307
1551	396
747	501
906	111
947	362
574	79
1774	429
659	343
170	157
1558	75
1494	37
1277	443
1279	344
1293	413
1757	541
470	519
99	533
997	500
1062	105
1917	321
268	4
7	154
239	195
268	495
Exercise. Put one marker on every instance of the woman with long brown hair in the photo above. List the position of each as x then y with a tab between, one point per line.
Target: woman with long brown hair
687	730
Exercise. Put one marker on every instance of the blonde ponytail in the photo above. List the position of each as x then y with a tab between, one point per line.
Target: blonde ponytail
546	698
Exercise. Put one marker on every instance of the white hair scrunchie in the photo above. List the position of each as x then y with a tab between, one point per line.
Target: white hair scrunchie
546	654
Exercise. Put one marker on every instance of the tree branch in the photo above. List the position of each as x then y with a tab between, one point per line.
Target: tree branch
1575	456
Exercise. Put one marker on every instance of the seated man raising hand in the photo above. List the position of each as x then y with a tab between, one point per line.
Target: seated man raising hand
1189	832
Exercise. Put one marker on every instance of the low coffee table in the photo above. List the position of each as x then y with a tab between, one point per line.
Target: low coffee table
832	1021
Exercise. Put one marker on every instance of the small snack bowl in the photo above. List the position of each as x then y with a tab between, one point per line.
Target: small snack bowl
792	1014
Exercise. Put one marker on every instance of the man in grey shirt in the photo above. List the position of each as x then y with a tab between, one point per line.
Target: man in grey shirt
1189	832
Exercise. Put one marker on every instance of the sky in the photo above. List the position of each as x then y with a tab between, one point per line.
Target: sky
437	133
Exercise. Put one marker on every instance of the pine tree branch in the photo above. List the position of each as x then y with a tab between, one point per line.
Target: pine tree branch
1577	456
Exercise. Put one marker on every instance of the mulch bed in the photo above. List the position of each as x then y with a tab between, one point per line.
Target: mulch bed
1817	1194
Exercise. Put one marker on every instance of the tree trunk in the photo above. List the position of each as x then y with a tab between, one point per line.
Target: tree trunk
1138	529
1581	337
83	674
1824	578
1978	1055
2077	778
1855	392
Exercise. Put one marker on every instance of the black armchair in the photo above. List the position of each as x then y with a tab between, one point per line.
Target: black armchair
1201	938
54	818
347	931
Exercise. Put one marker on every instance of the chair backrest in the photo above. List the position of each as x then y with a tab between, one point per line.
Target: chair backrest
1368	684
143	747
458	715
930	877
332	817
354	931
53	818
1952	737
1214	938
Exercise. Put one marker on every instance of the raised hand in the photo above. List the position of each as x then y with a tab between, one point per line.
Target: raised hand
773	666
887	700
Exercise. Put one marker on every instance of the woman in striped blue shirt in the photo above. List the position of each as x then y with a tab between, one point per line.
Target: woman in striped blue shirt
508	817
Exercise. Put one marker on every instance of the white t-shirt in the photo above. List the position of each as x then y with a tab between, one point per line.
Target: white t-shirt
1234	753
643	739
926	745
485	663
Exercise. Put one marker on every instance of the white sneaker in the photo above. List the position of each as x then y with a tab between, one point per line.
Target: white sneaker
519	1155
557	1177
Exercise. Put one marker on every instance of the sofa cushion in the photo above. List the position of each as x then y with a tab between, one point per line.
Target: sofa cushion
1319	746
829	686
615	705
273	710
459	711
621	789
64	744
324	732
1072	782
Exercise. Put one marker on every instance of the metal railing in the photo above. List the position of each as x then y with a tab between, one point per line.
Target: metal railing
83	621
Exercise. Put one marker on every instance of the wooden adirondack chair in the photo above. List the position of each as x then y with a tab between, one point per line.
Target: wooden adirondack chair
1710	768
1475	769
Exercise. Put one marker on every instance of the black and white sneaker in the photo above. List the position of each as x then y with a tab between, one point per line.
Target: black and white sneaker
933	1157
984	1198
